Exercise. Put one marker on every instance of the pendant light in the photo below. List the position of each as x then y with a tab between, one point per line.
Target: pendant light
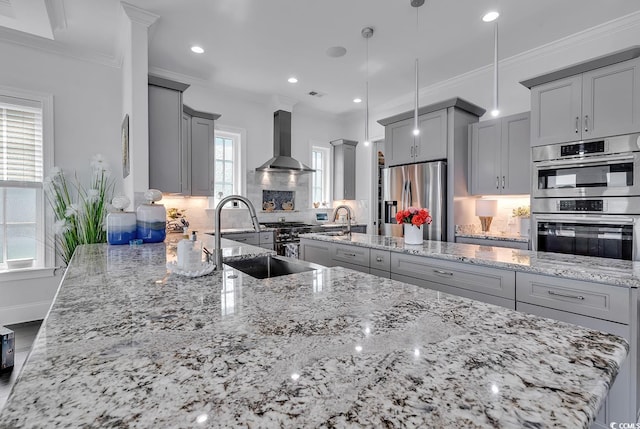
416	129
367	33
493	17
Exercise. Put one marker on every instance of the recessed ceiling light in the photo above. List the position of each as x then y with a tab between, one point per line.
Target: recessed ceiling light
490	16
197	49
336	51
292	80
357	100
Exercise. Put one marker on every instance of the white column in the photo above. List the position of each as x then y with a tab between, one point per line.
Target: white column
135	68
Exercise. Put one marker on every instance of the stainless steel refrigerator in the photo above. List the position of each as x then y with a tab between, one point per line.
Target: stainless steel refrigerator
421	185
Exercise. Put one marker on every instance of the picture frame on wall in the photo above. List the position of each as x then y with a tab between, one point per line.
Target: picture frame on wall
126	166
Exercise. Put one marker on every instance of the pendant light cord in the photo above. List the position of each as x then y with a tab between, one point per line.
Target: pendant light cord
366	115
416	130
495	68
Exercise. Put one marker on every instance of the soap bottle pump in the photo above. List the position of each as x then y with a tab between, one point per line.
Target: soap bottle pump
194	258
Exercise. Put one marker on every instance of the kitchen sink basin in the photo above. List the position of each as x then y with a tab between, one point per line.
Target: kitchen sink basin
266	266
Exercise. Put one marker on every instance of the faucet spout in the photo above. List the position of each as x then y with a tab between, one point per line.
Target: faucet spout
335	215
218	228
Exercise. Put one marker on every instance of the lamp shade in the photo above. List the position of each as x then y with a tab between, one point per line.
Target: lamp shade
486	207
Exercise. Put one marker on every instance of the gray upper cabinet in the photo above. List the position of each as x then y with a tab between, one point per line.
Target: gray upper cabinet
431	144
166	152
600	101
181	142
201	147
344	169
500	156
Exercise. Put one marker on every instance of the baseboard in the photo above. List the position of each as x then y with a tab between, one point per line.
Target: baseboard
24	313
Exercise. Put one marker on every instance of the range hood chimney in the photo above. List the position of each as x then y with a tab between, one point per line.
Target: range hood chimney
282	161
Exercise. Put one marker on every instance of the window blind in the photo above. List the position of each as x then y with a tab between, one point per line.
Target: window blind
20	141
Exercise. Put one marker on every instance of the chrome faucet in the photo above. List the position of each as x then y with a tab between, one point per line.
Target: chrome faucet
335	216
218	230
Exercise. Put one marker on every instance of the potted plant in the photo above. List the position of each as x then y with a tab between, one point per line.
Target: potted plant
523	213
413	219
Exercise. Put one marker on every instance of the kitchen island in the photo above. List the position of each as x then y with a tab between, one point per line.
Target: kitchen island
126	344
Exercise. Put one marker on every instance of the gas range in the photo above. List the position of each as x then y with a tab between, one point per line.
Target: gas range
288	232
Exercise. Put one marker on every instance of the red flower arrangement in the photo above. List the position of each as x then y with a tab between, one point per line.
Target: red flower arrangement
414	216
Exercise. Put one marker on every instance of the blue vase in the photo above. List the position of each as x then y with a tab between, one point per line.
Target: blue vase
151	223
121	227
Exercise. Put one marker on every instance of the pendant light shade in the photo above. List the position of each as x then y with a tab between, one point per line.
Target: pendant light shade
367	33
416	128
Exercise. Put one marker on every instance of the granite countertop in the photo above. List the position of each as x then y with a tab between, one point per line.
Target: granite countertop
504	237
603	270
126	344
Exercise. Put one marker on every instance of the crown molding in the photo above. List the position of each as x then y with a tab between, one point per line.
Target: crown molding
180	77
51	46
139	16
559	46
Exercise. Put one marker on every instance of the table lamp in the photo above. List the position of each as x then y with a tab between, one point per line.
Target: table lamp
486	210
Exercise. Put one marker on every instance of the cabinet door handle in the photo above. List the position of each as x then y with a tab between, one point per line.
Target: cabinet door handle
446	273
497	182
411	151
564	295
378	259
586	123
503	181
577	122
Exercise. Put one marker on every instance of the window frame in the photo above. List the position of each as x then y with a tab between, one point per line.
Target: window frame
326	185
45	252
239	137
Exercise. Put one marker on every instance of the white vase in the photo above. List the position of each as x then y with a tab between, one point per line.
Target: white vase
525	225
413	234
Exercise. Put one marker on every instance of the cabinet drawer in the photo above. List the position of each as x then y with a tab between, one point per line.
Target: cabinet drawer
243	237
266	237
588	299
380	259
351	254
492	281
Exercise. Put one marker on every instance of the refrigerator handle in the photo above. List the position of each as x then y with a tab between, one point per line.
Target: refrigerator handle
409	195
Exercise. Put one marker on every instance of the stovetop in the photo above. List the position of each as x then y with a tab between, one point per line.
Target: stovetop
285	224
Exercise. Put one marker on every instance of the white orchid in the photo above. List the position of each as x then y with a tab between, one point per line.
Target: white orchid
72	210
61	226
93	195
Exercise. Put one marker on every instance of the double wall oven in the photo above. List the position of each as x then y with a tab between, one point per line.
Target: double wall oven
586	198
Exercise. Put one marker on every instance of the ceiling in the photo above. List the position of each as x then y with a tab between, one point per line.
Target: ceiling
255	45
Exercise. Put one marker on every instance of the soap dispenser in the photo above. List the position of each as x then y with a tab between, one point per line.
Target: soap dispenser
194	258
152	218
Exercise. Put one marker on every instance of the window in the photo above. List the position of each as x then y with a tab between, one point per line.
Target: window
320	179
22	161
228	177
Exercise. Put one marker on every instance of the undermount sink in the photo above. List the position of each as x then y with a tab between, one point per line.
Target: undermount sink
266	266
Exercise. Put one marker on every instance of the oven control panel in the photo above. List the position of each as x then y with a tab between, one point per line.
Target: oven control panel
581	205
582	148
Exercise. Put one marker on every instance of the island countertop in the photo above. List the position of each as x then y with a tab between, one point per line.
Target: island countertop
602	270
125	344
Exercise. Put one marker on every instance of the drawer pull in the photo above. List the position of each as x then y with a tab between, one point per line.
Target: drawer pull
353	255
564	295
446	273
378	259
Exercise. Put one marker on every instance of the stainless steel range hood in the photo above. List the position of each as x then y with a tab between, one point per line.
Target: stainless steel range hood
282	161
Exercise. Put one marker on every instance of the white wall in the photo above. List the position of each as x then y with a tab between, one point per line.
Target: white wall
87	117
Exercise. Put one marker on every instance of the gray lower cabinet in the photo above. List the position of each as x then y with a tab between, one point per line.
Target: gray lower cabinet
262	239
318	252
472	280
596	306
493	243
353	257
